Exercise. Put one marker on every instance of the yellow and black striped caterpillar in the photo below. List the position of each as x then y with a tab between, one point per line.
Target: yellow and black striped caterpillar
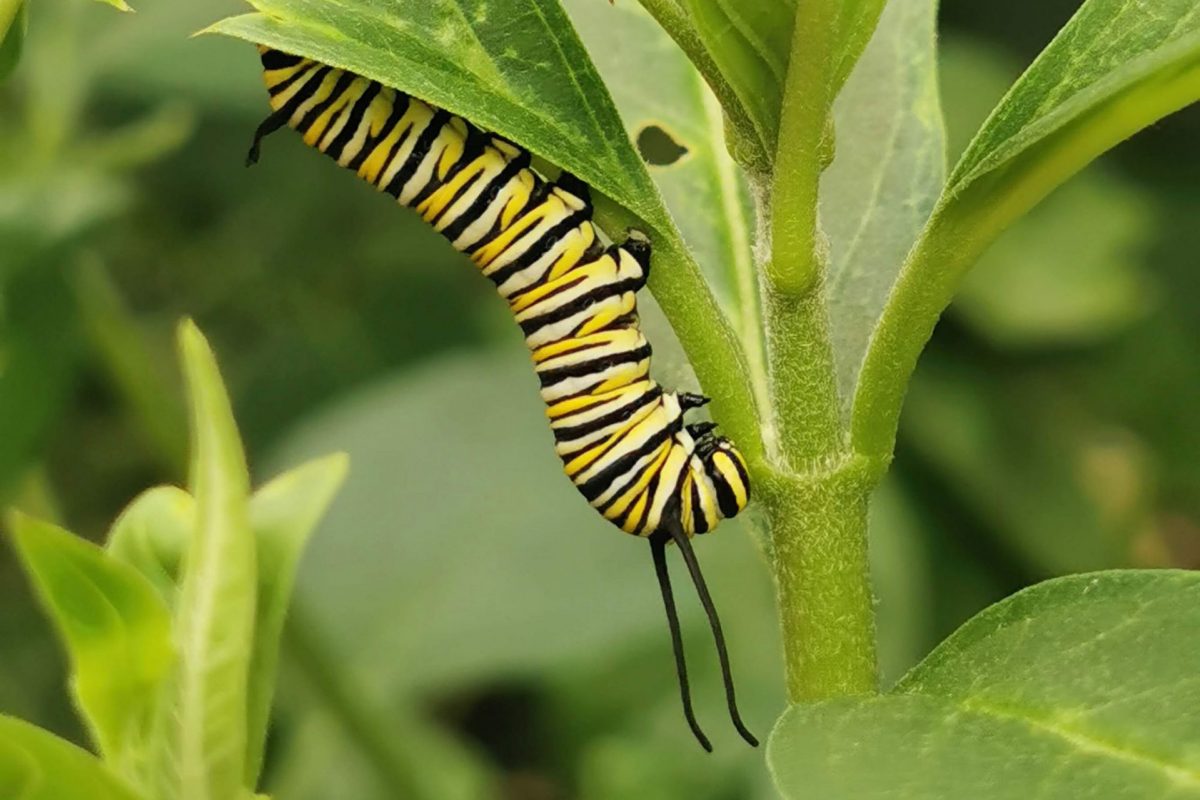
622	438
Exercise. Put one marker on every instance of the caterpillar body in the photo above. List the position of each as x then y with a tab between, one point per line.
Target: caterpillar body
622	438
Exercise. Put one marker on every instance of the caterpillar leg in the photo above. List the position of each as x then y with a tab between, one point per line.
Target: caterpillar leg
689	400
689	558
698	430
658	549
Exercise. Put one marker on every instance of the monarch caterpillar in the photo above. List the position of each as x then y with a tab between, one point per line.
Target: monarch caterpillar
622	438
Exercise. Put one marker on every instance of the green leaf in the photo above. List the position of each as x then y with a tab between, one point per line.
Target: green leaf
151	535
153	532
1078	687
511	66
1111	51
203	747
116	629
854	23
16	772
1114	69
877	194
35	765
1072	271
751	43
283	514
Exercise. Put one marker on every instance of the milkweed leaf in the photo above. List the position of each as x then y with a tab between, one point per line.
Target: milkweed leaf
1115	68
283	514
1077	687
116	629
202	751
36	765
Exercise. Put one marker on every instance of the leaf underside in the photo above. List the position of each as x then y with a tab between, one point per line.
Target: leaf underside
475	58
886	175
1107	45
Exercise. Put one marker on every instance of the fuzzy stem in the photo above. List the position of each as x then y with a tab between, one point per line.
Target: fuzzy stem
819	539
815	493
807	427
804	148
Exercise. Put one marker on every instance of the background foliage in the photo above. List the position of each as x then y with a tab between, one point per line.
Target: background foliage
1050	429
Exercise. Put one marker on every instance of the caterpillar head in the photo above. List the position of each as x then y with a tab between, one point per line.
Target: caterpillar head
726	470
722	473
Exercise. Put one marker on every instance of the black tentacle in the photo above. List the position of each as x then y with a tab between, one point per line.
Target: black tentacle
268	126
689	558
658	549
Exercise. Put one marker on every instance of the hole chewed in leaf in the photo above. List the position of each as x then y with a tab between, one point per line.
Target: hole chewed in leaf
658	147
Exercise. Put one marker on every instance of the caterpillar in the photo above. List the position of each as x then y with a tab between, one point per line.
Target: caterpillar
621	437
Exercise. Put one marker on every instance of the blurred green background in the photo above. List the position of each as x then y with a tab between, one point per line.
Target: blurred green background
465	627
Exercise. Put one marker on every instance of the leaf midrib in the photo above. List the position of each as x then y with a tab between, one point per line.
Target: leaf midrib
1084	740
1038	128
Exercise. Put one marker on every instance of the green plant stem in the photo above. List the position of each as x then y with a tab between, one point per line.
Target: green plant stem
803	152
807	428
751	148
815	499
711	343
819	542
827	39
814	492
